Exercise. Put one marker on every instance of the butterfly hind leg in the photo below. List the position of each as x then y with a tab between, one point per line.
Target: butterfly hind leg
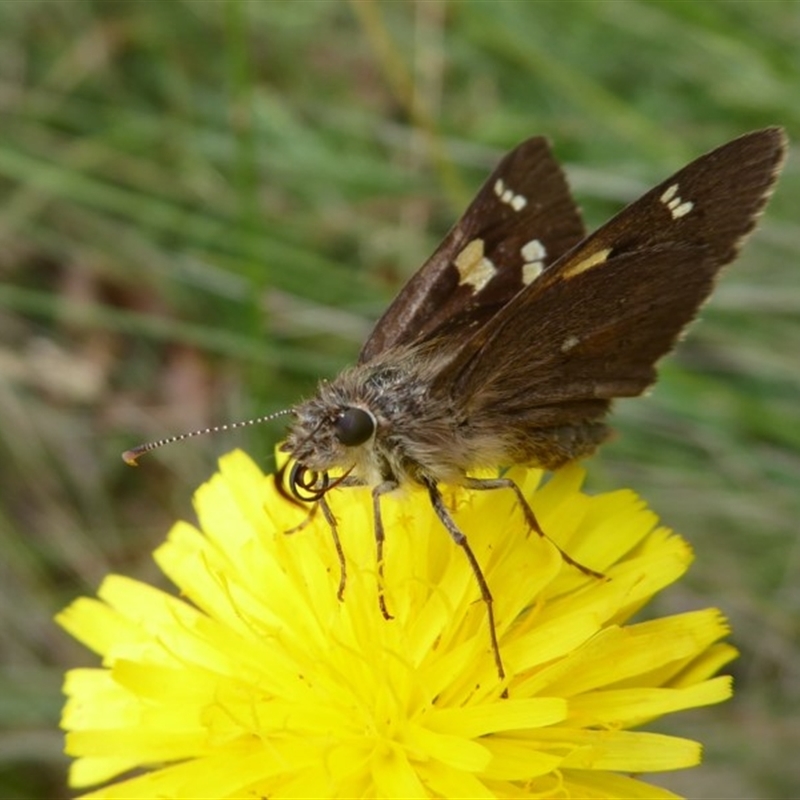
485	484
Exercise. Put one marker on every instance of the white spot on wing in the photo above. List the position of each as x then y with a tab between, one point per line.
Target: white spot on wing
569	343
474	269
682	210
508	196
533	254
533	250
531	271
669	193
675	203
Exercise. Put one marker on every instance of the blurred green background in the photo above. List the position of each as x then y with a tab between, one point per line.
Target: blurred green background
205	205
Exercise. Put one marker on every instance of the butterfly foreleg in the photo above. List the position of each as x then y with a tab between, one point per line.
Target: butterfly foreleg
322	504
380	537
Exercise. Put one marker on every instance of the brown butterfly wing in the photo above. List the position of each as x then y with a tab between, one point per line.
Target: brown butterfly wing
593	326
526	198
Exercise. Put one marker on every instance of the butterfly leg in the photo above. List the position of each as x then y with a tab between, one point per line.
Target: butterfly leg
337	543
380	536
306	521
322	504
461	540
483	484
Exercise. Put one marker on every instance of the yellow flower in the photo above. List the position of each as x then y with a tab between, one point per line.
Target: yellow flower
260	683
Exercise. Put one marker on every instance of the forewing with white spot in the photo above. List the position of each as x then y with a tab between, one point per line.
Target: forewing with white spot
595	323
521	221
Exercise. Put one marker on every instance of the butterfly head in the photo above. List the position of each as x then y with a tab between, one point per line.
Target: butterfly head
327	435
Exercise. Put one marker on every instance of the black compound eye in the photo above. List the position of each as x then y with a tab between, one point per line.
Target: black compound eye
354	426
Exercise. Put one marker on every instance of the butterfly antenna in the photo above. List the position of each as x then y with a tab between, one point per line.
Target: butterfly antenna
131	457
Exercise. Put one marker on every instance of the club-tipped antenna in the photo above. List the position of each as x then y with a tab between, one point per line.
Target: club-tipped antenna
130	457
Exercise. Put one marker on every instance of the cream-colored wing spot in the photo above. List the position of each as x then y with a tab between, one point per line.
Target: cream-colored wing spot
675	204
509	196
587	263
474	269
531	271
569	343
533	255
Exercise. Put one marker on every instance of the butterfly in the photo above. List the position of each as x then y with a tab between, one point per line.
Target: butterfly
510	343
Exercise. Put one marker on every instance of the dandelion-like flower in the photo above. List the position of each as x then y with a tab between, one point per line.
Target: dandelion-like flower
260	683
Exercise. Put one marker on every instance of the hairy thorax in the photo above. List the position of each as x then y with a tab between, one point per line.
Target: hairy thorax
418	433
424	432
